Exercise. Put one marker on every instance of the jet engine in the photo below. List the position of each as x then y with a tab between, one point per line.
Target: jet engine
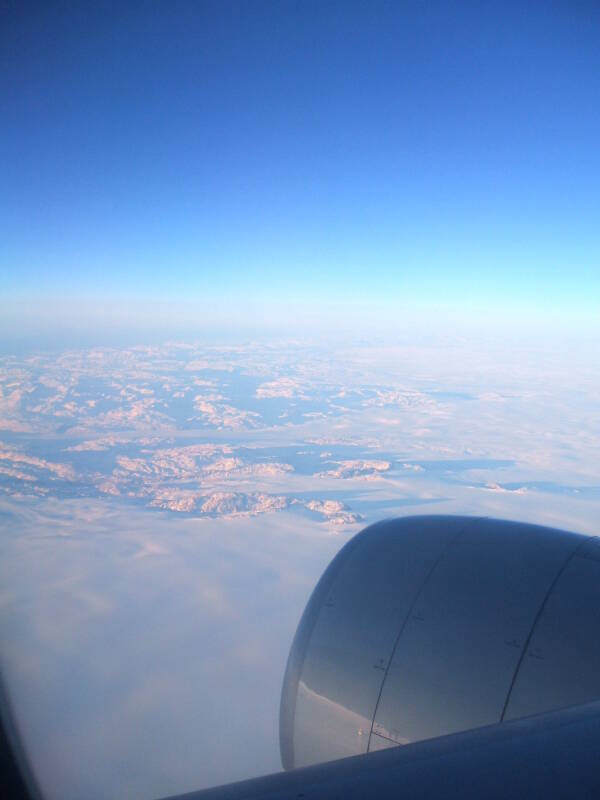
424	626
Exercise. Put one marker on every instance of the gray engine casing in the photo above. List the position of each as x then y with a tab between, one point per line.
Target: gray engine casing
423	626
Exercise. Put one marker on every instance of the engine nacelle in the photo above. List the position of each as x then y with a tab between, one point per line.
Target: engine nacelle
424	626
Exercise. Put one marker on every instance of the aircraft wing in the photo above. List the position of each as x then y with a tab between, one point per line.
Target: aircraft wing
553	755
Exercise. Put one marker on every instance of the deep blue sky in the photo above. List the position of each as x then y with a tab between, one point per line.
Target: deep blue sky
443	157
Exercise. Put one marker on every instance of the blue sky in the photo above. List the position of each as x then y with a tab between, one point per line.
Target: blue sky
255	160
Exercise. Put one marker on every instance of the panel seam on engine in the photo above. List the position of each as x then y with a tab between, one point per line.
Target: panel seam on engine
418	593
537	618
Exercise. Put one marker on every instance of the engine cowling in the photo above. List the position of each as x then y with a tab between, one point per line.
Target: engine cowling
424	626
